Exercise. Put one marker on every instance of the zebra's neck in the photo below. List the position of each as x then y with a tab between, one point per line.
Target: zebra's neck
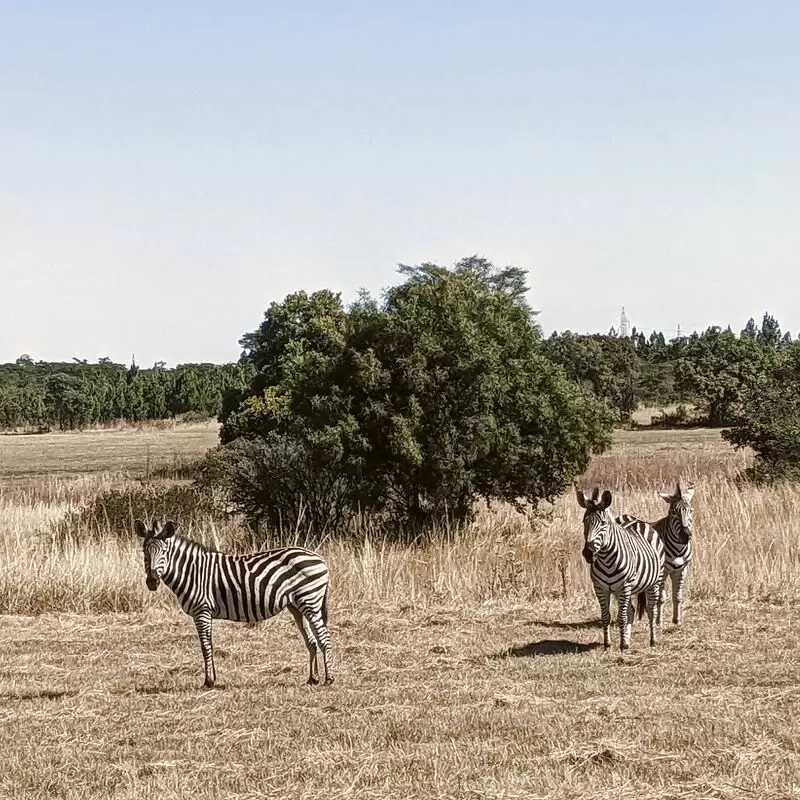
184	555
669	528
610	554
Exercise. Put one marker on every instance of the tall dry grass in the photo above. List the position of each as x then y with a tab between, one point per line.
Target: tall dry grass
746	541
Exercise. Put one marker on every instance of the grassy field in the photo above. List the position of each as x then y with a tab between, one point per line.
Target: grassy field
467	668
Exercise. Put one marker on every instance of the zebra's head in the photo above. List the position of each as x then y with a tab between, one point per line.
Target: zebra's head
680	511
156	549
597	521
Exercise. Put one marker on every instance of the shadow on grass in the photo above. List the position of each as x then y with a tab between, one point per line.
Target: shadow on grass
549	647
41	694
567	626
190	687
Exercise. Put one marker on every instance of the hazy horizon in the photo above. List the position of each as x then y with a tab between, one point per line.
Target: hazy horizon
167	172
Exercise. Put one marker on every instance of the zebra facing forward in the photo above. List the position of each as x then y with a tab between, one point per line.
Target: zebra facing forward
624	563
675	531
241	588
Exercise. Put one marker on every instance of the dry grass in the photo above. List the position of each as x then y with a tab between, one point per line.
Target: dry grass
465	668
45	463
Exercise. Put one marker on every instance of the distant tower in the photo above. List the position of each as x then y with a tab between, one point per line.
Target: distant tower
679	330
624	324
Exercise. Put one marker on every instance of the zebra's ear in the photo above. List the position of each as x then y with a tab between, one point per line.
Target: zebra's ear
665	496
168	530
581	496
140	528
688	494
605	501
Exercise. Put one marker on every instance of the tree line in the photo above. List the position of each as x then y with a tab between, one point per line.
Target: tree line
711	370
38	395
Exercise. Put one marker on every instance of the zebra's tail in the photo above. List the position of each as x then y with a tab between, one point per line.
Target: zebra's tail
325	601
642	604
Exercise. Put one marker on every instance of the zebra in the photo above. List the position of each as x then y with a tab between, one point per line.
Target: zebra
675	531
623	563
242	588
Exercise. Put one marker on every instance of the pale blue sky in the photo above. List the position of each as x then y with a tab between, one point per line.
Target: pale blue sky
168	169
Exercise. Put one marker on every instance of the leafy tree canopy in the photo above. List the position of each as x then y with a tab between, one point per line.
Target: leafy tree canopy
768	419
422	403
718	370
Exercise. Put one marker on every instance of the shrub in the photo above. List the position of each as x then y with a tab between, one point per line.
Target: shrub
276	485
115	510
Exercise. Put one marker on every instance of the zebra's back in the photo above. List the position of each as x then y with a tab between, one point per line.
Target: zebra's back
647	531
254	587
677	554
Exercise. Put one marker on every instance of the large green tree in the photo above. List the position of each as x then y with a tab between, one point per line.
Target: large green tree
421	404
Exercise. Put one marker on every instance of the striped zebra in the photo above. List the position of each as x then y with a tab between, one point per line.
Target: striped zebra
241	588
675	531
624	563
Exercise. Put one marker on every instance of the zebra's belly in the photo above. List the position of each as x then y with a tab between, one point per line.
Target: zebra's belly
243	609
618	583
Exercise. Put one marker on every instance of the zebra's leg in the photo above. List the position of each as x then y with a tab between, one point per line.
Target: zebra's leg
678	580
661	599
604	598
202	621
310	639
322	636
624	622
631	613
652	604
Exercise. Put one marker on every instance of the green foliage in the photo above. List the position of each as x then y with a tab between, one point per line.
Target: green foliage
718	370
606	366
42	395
412	408
768	420
278	486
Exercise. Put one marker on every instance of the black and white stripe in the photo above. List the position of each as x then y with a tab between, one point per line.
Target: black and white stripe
675	531
623	563
241	588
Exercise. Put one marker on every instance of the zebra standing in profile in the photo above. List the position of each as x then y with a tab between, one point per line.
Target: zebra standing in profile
624	563
241	588
675	531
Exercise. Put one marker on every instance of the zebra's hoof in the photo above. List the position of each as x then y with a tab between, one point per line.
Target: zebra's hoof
624	648
312	681
328	681
208	685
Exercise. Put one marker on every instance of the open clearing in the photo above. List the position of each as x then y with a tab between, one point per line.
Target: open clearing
122	451
460	673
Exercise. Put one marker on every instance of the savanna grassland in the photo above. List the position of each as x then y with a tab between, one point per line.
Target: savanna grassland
468	667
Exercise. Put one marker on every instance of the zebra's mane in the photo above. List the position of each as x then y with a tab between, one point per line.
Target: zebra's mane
179	536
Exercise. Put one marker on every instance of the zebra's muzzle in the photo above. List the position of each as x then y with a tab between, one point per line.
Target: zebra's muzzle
152	582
